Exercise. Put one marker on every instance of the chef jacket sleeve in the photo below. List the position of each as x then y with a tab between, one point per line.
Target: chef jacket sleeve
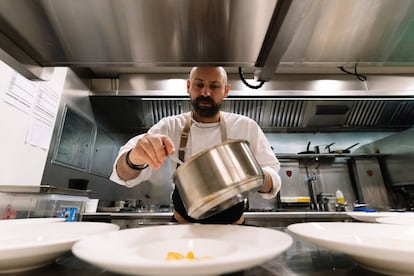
144	175
277	183
265	156
162	127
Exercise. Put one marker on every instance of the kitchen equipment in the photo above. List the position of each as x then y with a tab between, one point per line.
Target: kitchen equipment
40	201
132	203
326	202
217	178
347	150
330	204
79	184
308	151
91	205
119	203
295	202
340	197
328	147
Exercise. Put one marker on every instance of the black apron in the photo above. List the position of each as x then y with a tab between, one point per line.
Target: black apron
227	216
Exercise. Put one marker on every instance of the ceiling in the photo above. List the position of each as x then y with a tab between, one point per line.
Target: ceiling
106	38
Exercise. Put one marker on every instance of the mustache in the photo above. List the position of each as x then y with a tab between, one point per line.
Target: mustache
205	99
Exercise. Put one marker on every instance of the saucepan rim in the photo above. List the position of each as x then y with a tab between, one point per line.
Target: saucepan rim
203	152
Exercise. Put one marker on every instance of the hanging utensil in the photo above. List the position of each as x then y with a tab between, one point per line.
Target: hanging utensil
347	150
307	150
328	147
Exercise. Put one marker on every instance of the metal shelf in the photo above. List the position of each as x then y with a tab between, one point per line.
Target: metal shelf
42	189
326	155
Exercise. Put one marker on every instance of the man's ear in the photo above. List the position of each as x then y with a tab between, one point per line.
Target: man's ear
226	90
188	86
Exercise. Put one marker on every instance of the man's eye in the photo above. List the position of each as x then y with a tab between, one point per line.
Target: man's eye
213	86
199	85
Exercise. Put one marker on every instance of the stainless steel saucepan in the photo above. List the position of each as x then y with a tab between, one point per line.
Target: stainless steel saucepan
218	178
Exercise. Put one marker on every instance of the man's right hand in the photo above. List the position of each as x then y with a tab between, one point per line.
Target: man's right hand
152	149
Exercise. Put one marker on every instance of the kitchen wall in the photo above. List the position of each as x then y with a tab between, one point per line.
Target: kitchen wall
75	97
24	139
397	165
399	156
396	143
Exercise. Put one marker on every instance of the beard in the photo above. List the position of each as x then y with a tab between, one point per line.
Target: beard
205	111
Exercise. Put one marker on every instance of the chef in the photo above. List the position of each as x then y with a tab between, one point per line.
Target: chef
205	126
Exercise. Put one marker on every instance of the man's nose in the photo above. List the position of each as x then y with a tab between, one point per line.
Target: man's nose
205	91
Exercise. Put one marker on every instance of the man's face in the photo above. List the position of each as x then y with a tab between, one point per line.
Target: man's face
207	87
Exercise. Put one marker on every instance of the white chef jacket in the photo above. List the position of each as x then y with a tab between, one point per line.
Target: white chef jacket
205	135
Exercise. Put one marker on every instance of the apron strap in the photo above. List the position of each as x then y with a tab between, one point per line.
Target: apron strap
184	139
223	129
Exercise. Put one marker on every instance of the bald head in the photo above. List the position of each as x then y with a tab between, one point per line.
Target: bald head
219	71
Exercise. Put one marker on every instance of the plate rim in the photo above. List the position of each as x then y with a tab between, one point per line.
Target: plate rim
389	220
31	220
78	250
34	255
347	244
57	241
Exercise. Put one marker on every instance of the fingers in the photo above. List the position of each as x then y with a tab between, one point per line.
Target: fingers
154	149
169	145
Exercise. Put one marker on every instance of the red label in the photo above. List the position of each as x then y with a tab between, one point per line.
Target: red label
289	173
370	172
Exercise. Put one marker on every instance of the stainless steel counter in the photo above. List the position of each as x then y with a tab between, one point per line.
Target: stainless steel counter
301	258
264	219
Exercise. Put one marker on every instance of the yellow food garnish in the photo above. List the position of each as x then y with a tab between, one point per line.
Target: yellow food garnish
190	255
176	256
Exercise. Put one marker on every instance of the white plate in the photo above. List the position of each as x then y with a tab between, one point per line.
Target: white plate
383	248
372	216
144	250
28	246
400	220
30	220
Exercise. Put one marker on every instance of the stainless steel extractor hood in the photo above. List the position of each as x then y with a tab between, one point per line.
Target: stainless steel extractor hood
106	38
292	103
135	114
311	103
